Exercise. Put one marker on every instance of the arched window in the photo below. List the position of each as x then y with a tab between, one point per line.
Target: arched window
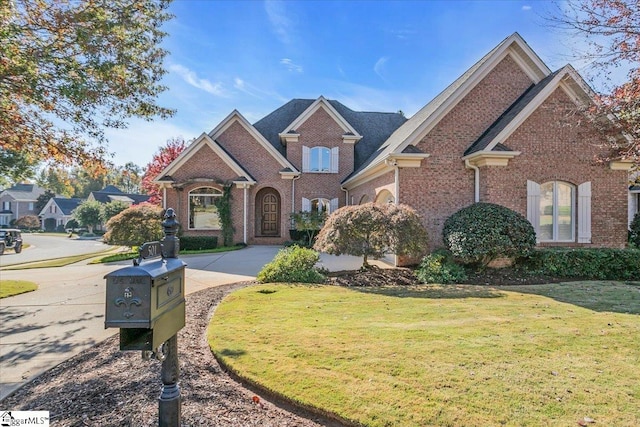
321	205
385	196
364	199
557	212
203	213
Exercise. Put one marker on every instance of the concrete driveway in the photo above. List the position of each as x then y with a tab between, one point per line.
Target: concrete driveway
66	314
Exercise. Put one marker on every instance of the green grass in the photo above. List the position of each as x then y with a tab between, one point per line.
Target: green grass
9	288
441	355
56	262
134	254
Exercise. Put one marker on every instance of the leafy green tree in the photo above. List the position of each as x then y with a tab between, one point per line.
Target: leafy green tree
71	69
15	166
372	230
43	199
57	179
111	209
88	214
308	223
135	226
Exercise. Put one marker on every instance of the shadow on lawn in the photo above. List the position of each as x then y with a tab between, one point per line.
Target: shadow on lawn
433	291
601	296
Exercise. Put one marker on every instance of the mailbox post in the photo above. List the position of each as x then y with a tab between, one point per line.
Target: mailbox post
146	301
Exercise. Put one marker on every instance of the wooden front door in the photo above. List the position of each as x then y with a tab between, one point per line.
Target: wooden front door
269	213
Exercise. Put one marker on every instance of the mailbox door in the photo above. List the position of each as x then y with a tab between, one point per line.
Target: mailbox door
128	302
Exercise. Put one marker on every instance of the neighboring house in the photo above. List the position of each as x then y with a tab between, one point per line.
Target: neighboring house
57	212
18	201
499	133
112	193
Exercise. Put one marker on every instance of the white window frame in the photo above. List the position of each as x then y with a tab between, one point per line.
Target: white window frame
331	205
214	193
555	232
308	154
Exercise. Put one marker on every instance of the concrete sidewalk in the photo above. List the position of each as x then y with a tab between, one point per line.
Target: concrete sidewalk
66	314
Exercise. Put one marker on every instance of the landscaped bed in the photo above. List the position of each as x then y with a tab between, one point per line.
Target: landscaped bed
556	354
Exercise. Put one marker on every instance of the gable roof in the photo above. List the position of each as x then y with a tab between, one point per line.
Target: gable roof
517	113
24	192
321	103
204	140
414	129
111	193
373	127
66	205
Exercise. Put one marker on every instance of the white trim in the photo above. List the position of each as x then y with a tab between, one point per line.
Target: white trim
335	160
533	206
514	46
491	158
322	102
191	150
584	212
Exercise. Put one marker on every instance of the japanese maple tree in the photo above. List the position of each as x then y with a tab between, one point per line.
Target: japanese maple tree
611	29
161	159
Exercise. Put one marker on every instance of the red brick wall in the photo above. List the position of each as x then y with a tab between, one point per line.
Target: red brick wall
320	130
555	148
443	185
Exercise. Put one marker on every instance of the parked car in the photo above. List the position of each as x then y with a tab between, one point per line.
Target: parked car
10	238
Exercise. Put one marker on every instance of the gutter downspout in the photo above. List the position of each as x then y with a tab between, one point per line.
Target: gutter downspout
346	196
476	170
397	184
245	214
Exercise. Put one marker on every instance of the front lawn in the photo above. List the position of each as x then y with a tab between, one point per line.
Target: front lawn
9	288
456	355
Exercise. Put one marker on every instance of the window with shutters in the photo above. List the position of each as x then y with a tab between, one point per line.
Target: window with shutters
557	223
320	205
556	209
320	159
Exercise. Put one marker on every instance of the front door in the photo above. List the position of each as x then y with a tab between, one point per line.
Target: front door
269	211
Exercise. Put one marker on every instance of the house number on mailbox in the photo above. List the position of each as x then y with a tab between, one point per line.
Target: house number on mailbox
127	301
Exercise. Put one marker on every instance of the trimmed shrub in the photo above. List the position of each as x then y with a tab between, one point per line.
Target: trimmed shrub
482	232
292	264
439	267
135	226
634	231
28	222
198	243
591	263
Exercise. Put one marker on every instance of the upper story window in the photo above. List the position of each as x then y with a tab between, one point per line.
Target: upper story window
320	159
6	206
203	213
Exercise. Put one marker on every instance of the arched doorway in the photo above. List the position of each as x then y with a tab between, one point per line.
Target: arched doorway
268	213
385	196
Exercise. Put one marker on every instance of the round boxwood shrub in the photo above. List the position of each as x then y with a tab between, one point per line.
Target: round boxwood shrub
482	232
292	264
439	267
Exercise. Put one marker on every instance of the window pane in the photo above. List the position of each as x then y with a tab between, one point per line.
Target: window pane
565	224
203	213
319	159
319	205
546	212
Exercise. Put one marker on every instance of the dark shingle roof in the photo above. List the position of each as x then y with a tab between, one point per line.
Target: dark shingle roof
111	193
511	113
277	121
374	127
67	205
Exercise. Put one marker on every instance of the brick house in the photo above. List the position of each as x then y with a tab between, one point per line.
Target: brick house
500	133
18	201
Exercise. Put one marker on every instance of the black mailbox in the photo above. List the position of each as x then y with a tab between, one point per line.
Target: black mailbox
146	302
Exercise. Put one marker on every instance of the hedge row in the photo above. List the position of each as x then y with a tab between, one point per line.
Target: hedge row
594	263
197	243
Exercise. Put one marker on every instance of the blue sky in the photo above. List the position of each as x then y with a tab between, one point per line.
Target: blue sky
254	56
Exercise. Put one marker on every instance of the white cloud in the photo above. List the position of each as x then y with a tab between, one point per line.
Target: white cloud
526	7
379	66
192	78
280	23
291	66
